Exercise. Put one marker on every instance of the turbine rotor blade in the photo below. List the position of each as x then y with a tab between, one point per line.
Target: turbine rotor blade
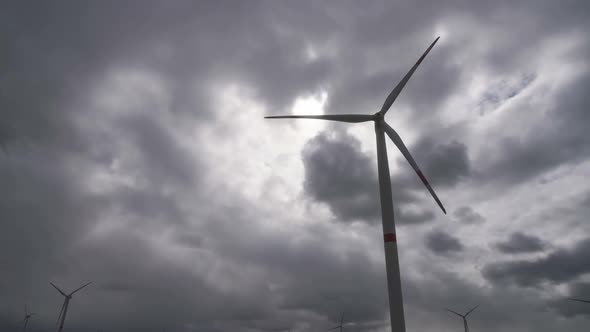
398	88
456	313
350	118
468	312
79	288
59	290
578	300
337	327
342	319
397	140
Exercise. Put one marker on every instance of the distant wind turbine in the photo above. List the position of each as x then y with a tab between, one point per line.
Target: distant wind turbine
64	308
341	326
27	316
396	307
578	300
464	316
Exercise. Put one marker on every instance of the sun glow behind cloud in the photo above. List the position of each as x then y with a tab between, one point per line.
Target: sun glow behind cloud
264	164
441	31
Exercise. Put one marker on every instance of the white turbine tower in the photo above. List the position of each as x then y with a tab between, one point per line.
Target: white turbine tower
341	326
396	308
464	317
27	317
64	308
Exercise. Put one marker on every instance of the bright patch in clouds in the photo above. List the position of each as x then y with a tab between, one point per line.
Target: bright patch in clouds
309	105
264	162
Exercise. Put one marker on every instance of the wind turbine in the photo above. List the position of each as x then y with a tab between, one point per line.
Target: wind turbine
341	326
464	317
396	308
578	300
64	308
27	316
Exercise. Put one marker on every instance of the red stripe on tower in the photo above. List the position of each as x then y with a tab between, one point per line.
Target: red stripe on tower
389	237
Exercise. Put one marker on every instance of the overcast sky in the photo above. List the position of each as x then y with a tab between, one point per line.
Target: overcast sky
135	155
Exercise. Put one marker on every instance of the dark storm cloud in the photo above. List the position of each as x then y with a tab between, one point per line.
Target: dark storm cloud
467	215
146	283
41	210
550	144
305	268
167	161
521	243
48	214
526	22
444	164
339	174
65	47
408	216
503	91
572	212
559	266
442	243
191	240
57	52
568	308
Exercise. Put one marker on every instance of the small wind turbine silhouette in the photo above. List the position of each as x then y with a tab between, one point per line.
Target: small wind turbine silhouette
27	316
396	306
64	308
341	326
464	316
578	300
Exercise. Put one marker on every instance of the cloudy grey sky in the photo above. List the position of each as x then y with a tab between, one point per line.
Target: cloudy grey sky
135	155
